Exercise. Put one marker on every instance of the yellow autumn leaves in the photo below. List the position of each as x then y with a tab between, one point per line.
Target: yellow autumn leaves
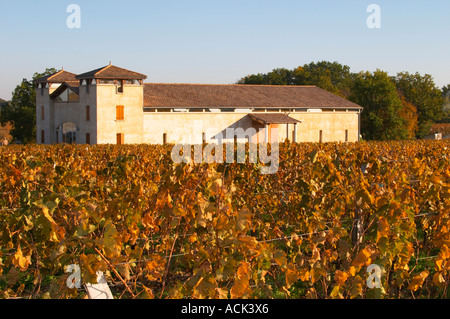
21	260
225	230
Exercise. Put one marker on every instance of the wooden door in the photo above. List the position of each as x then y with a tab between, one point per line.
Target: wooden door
120	138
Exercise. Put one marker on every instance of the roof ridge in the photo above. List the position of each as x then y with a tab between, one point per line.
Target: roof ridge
102	69
218	84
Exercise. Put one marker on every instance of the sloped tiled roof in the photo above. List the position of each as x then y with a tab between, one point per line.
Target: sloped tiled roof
58	77
72	83
111	72
443	128
241	96
74	86
273	118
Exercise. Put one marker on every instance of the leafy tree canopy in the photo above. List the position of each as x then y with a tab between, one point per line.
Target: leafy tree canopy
280	76
381	119
20	112
330	76
446	91
422	92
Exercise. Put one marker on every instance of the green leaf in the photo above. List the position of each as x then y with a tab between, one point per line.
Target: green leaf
375	293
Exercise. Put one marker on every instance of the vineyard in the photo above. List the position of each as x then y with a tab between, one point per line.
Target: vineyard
162	230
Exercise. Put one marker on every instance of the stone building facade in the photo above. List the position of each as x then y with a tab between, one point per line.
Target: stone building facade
112	105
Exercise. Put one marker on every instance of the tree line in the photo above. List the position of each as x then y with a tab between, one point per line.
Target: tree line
404	106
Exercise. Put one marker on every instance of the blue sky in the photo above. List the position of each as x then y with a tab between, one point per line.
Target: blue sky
200	41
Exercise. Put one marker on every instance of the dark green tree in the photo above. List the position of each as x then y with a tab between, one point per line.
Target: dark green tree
446	95
422	92
381	119
253	79
279	76
20	112
331	76
446	90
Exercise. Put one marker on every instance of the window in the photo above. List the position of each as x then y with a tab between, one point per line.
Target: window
43	137
204	138
42	113
42	89
320	136
120	113
346	135
88	138
120	138
164	138
88	113
119	86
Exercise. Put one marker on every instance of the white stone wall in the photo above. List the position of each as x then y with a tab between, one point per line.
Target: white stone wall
188	127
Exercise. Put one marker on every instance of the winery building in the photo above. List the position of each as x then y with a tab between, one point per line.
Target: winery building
112	105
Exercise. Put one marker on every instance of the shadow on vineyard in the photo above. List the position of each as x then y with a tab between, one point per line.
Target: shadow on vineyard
162	230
